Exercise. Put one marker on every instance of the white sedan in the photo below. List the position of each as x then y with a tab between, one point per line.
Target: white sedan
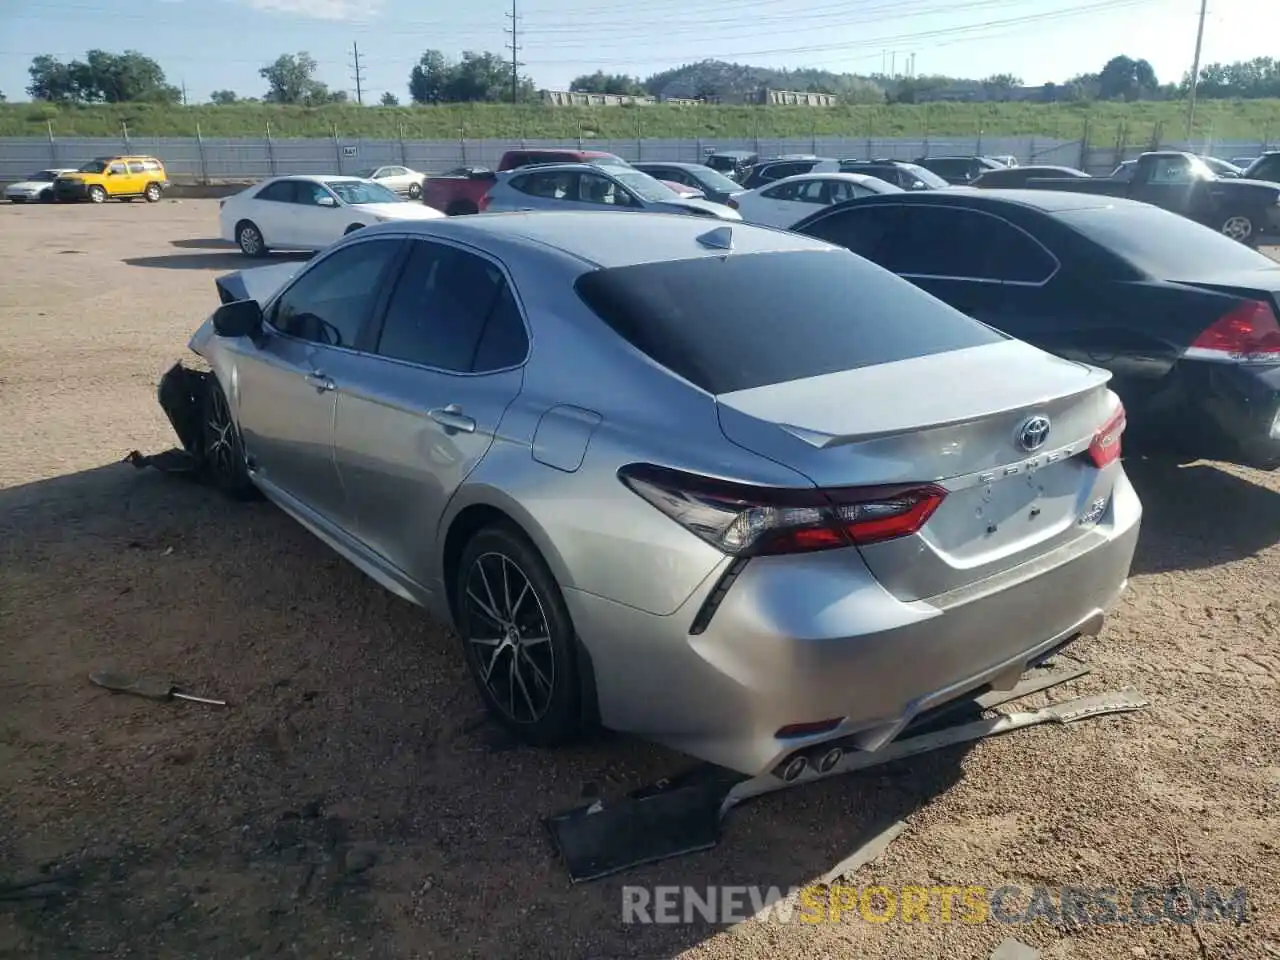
399	179
309	213
786	202
38	186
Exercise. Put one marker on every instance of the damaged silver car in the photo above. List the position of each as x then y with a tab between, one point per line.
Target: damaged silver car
729	488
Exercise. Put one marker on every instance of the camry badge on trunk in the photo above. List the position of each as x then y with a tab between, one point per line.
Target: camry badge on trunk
1033	433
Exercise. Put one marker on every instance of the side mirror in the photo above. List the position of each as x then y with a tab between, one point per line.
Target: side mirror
326	202
240	318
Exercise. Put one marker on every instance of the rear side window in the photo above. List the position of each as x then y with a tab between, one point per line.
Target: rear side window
1164	245
451	310
749	320
281	191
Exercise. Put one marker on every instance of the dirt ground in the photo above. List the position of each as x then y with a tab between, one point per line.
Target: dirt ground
354	802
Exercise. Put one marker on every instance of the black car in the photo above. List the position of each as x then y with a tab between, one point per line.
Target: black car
768	171
715	186
960	170
1018	176
1183	317
908	176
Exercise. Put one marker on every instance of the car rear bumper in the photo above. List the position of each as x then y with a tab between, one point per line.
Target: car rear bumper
1221	411
802	640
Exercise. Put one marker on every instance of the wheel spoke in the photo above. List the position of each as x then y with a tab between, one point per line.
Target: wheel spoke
486	611
526	693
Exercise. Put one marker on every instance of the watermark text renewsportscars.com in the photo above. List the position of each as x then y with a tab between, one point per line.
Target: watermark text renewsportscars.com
934	904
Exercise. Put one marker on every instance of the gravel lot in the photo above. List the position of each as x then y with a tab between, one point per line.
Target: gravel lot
353	802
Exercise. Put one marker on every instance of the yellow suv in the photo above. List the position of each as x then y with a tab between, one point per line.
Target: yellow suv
115	178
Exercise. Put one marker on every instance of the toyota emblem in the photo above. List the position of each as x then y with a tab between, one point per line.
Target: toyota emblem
1033	433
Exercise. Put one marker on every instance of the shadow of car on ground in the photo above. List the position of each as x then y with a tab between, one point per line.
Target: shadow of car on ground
354	787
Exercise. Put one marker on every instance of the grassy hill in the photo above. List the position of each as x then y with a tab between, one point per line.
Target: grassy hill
1242	120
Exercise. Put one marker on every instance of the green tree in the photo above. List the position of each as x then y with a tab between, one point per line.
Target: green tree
291	79
1123	78
223	98
1000	85
101	77
476	78
389	99
428	78
601	82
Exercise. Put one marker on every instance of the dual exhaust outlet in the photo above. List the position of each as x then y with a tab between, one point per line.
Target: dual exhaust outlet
822	762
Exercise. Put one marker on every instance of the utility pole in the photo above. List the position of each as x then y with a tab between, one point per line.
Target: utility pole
358	74
1195	70
184	93
514	30
893	63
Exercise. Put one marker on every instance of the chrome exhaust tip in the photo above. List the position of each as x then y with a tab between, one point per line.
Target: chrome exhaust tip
830	759
794	767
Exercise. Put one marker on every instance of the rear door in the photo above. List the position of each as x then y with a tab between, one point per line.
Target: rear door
420	410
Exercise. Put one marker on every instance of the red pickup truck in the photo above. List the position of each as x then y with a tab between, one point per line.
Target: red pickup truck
459	191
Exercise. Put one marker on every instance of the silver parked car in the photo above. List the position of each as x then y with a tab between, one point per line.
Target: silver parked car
589	187
678	477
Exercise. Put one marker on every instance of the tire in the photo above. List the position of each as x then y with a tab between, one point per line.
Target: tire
97	194
152	193
461	208
415	191
1239	226
250	239
353	228
540	702
222	450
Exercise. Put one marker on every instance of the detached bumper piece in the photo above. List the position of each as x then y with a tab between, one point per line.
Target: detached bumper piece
181	395
684	815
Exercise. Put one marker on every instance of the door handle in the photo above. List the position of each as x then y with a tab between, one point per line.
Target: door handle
452	418
319	381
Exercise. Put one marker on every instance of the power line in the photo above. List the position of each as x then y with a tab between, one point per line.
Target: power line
359	76
514	46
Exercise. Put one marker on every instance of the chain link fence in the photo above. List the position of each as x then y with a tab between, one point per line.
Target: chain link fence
214	160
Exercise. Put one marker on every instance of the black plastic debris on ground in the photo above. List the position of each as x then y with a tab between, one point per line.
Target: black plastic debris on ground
182	397
669	819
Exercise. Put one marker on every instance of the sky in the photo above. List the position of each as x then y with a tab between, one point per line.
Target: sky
210	45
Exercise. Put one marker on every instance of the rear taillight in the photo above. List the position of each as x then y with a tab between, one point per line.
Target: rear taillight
1249	332
484	203
1105	446
744	520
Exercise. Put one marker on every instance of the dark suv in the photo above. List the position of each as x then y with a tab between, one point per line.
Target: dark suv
959	170
768	171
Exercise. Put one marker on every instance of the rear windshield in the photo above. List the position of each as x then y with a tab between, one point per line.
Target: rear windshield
750	320
1163	245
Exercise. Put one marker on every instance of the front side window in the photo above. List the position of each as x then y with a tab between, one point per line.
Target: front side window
451	310
136	167
602	190
330	302
309	194
116	169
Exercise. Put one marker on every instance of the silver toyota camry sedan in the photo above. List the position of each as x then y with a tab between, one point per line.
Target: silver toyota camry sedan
726	487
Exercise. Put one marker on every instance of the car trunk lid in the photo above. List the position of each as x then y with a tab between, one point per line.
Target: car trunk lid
1004	428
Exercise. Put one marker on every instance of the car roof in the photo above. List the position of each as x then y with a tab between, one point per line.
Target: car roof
564	168
627	238
1049	201
674	164
829	175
